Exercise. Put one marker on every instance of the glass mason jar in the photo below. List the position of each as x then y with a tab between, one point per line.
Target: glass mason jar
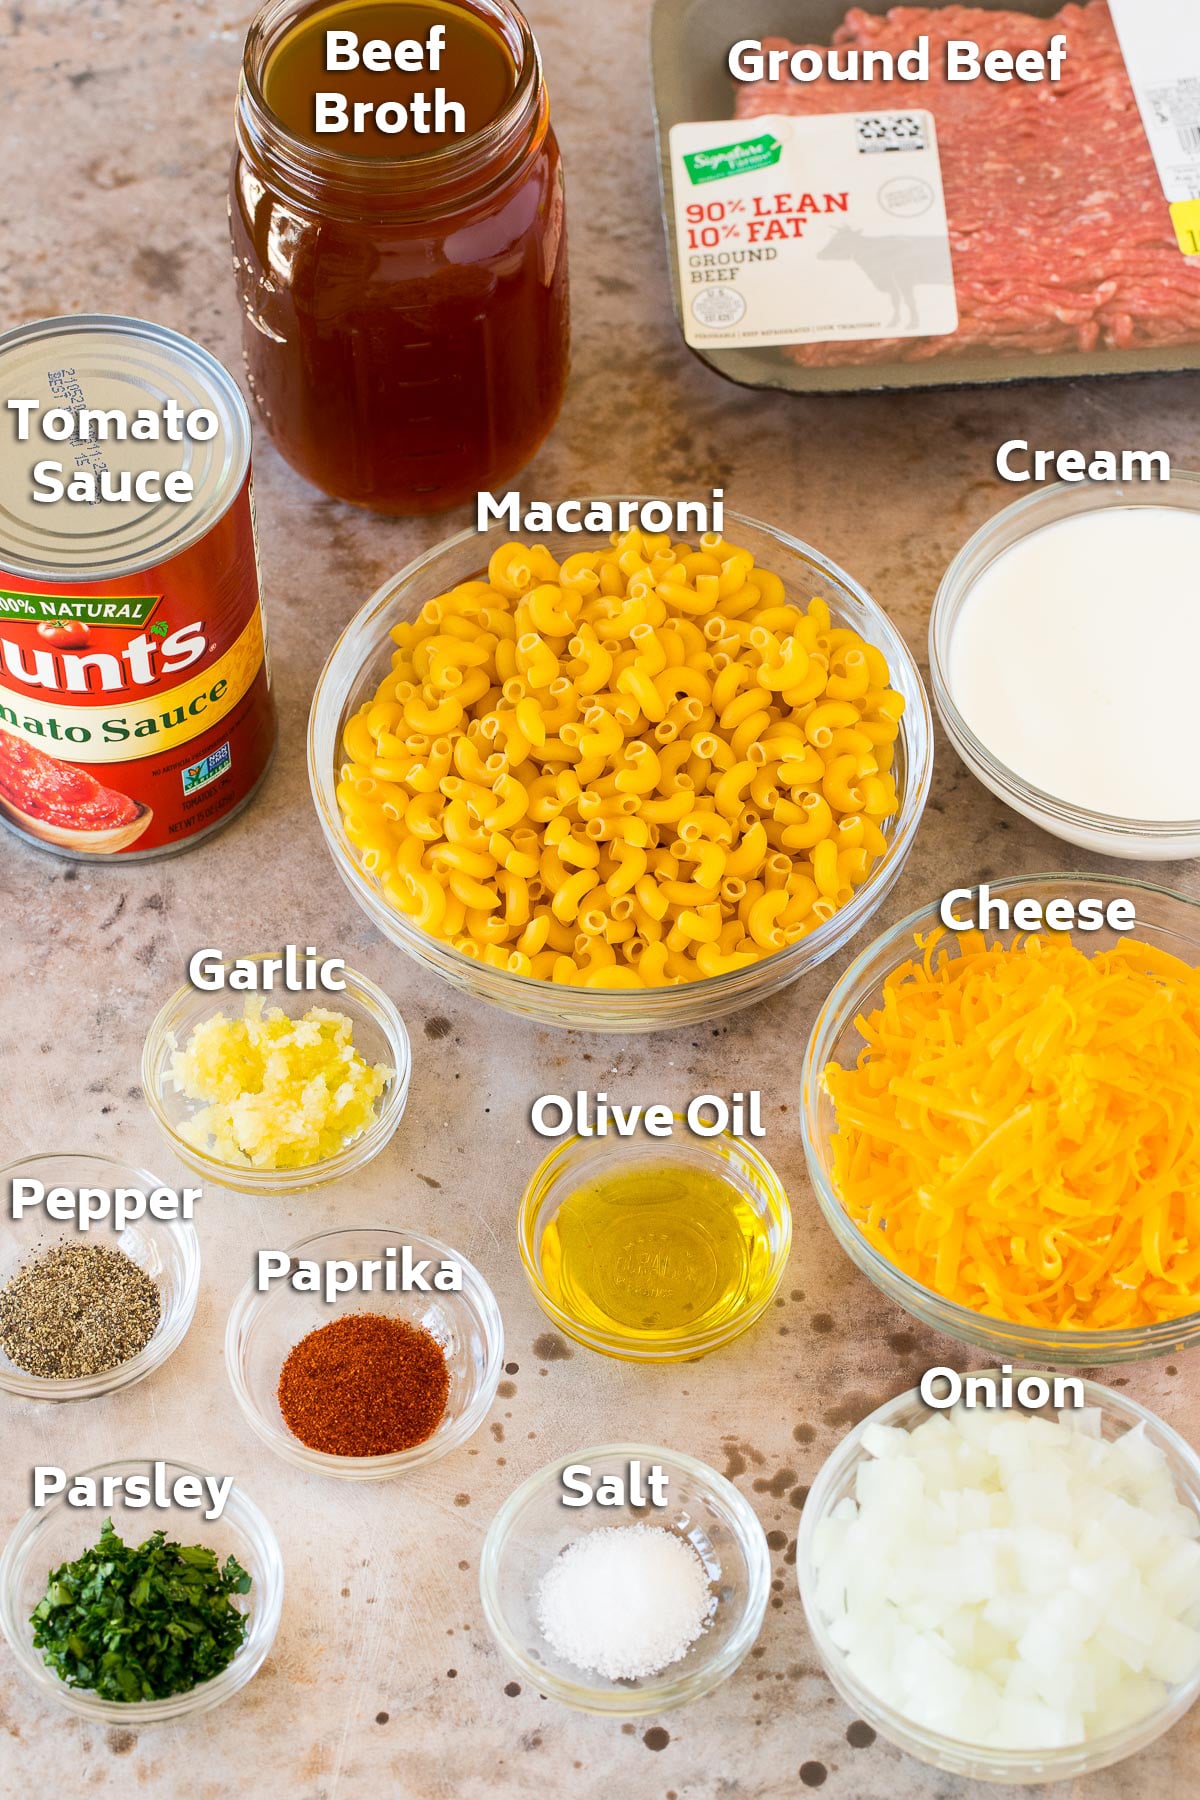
405	321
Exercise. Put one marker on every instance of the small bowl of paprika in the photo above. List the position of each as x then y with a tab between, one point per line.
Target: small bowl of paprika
365	1383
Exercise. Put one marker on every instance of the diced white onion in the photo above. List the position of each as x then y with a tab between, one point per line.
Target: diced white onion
1013	1582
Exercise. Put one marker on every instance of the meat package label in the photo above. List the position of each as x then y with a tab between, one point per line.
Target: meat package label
1160	41
811	230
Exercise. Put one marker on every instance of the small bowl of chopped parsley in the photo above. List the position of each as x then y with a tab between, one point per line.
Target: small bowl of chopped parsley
140	1614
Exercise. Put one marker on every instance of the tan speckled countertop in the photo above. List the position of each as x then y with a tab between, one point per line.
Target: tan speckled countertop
115	137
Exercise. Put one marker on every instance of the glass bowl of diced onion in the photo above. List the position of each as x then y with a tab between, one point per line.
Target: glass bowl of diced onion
832	1496
1166	922
361	659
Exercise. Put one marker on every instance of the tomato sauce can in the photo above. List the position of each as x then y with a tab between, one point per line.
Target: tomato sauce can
136	714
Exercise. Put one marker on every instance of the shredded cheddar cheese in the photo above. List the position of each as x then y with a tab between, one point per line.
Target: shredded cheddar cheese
1021	1133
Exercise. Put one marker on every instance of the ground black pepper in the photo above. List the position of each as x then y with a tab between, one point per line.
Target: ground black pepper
364	1385
77	1309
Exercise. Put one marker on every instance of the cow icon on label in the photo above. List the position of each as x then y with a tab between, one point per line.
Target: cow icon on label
897	266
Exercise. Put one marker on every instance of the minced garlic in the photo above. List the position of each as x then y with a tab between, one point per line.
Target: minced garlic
278	1092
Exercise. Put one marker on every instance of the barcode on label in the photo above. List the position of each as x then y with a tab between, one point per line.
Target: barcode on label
889	131
1189	137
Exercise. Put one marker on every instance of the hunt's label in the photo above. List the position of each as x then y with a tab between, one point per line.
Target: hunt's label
132	720
817	230
124	725
135	698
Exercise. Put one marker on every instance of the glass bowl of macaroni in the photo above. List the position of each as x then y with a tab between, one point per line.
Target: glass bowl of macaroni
362	659
1167	923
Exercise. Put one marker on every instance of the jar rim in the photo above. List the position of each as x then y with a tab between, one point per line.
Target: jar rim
312	168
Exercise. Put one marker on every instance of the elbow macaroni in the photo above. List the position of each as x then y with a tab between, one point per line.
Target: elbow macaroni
637	768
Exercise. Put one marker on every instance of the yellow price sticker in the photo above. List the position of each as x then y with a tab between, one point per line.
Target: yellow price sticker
1185	216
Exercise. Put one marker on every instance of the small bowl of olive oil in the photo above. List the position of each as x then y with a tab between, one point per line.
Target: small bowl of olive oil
654	1250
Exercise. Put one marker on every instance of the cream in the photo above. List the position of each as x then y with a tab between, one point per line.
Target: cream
1075	661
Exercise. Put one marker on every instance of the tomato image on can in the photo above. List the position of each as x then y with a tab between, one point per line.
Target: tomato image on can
135	700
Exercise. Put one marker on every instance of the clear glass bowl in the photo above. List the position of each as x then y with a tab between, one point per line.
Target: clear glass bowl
578	1160
59	1533
379	1037
1149	840
1166	920
168	1250
264	1327
362	657
532	1527
835	1482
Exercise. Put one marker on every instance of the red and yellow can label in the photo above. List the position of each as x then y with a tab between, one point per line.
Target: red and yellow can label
135	714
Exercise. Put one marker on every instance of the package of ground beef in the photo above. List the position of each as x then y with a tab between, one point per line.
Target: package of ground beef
1041	187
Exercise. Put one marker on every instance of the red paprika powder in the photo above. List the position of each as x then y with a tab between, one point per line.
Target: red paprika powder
367	1384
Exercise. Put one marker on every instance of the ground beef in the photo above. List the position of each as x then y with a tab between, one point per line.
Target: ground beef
1059	232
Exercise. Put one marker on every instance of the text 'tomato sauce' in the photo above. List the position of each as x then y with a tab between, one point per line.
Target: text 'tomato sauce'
135	701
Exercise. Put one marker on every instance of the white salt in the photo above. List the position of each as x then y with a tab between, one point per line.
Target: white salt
625	1601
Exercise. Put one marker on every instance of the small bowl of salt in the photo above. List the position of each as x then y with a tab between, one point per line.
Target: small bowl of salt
625	1608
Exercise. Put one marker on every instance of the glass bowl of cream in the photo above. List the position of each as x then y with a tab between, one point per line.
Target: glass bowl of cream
1062	646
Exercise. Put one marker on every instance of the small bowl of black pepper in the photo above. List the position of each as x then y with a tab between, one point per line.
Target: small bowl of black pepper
84	1312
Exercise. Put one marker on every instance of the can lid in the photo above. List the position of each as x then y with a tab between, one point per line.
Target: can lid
104	363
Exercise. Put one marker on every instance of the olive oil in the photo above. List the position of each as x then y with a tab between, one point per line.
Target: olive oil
656	1255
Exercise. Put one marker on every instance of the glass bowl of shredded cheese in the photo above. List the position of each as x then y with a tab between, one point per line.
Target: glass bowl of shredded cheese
596	1642
273	1093
999	1124
1012	1596
620	784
